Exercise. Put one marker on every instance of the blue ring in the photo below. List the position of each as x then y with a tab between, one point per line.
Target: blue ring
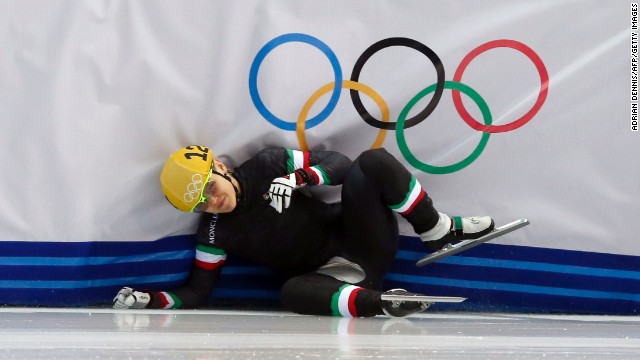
253	76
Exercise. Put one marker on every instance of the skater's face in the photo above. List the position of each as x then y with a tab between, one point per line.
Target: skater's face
218	191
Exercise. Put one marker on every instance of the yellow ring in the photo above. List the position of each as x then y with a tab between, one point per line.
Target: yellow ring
346	84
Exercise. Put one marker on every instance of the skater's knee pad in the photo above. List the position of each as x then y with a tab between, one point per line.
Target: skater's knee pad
342	269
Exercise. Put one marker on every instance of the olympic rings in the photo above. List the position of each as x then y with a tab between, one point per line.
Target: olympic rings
355	74
384	109
456	86
542	94
193	188
255	66
402	144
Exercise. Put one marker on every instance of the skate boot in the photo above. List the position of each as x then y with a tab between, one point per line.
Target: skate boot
401	308
450	230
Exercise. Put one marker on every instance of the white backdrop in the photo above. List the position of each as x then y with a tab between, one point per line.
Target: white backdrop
94	95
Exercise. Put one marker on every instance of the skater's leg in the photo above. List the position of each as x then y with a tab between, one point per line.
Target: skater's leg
370	228
402	193
369	241
318	294
398	189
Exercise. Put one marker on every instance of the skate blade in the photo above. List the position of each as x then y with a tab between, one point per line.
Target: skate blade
423	298
468	244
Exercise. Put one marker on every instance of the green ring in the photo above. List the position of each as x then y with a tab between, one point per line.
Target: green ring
402	144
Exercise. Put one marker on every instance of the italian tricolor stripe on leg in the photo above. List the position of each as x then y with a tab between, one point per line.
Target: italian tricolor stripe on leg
343	302
297	160
414	195
209	258
170	301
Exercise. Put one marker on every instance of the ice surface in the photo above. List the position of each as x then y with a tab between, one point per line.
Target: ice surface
46	333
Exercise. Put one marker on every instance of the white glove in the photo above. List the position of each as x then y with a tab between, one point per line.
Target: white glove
128	298
281	190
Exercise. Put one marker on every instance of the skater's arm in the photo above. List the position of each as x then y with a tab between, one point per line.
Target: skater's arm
303	168
317	167
204	274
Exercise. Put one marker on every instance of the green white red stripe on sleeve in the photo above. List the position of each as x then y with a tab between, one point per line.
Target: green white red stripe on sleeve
319	176
209	257
413	196
297	160
302	160
343	302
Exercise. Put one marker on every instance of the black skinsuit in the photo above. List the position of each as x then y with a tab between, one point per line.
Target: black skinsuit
305	236
299	239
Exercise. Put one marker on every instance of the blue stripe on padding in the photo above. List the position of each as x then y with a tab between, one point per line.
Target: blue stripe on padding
67	284
76	273
520	288
95	260
94	248
526	265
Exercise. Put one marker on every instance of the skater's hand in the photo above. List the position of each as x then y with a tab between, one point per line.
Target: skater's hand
127	298
281	190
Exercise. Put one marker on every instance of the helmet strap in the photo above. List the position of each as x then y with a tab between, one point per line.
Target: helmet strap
228	178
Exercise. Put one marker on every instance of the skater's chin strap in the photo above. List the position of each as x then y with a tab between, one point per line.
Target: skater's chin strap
227	177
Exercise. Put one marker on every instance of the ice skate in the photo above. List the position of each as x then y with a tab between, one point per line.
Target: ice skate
400	302
451	245
395	306
451	230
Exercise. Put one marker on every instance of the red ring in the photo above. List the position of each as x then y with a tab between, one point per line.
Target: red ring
542	95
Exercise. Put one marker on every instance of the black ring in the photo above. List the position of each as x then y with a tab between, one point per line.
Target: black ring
397	41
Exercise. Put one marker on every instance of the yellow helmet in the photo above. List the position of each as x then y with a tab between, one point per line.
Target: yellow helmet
184	175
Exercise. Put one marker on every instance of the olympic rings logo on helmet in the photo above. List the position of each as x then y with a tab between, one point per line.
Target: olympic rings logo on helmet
194	188
456	86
